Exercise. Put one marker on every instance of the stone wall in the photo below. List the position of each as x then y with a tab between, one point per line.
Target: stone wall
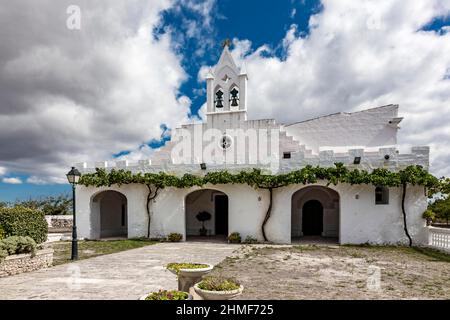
21	263
59	222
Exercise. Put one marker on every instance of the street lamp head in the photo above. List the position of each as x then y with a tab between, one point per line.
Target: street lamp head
73	176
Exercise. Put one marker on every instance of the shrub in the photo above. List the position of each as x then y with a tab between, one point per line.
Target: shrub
25	222
250	240
429	214
2	233
17	245
168	295
3	254
235	237
175	237
219	284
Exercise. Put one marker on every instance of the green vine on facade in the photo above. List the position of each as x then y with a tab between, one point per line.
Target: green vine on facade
412	175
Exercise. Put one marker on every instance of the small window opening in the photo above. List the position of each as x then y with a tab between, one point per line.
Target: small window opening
381	195
287	155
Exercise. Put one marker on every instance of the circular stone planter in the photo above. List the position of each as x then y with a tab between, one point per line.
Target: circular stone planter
145	297
218	295
188	277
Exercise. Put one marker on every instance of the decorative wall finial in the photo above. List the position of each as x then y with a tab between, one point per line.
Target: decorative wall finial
226	43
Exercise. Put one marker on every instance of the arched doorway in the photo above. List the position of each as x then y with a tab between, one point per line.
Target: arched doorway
315	212
199	204
109	215
312	218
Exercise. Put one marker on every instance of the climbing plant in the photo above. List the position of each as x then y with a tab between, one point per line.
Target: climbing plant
256	178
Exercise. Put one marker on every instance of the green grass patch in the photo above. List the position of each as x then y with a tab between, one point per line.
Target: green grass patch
90	249
432	254
306	248
435	255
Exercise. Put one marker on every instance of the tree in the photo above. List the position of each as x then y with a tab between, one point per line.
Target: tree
441	208
61	205
203	217
50	206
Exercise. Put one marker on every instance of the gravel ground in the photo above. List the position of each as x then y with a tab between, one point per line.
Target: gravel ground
335	272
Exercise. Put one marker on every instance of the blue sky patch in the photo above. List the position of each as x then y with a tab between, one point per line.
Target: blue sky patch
438	25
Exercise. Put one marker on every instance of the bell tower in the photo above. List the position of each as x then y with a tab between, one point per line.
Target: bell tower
226	87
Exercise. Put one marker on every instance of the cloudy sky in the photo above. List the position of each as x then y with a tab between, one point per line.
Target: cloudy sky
133	70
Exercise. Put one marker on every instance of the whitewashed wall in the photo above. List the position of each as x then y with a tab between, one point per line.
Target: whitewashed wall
246	212
368	128
89	225
361	221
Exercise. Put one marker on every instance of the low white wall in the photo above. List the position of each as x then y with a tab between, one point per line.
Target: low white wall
439	238
59	222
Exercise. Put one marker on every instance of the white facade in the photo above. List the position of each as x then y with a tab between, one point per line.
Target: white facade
347	213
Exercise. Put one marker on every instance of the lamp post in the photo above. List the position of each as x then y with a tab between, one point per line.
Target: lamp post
73	177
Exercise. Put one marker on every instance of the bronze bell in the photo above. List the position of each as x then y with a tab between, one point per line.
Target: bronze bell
219	99
234	98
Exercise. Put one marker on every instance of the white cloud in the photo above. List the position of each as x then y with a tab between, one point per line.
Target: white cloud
73	96
293	13
12	181
40	181
144	152
2	171
361	54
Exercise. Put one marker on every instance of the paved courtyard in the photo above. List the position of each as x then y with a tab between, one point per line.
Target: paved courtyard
126	275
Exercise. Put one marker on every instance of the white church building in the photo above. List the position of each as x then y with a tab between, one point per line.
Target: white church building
228	140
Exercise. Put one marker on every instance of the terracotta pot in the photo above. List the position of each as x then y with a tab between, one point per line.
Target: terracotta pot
218	295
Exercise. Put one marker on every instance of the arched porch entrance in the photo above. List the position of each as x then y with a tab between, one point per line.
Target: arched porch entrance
206	214
109	215
315	213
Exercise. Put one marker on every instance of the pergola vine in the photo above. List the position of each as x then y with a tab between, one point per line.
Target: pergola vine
152	194
155	182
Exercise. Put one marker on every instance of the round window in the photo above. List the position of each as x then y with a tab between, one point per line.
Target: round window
226	142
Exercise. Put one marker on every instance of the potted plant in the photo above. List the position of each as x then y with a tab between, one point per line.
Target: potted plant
189	273
167	295
234	237
203	217
218	288
429	216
